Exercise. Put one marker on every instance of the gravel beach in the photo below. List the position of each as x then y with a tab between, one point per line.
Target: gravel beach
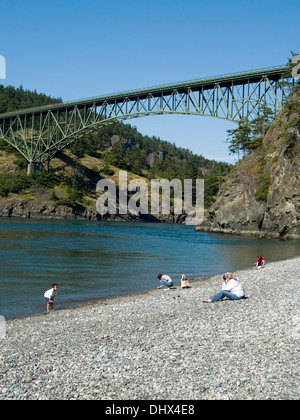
163	344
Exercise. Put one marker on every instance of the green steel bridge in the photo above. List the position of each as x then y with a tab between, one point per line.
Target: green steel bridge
39	133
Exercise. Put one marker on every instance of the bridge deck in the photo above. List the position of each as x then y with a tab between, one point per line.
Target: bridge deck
273	73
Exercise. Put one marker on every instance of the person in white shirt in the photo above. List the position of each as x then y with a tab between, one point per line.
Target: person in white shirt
165	281
50	295
232	288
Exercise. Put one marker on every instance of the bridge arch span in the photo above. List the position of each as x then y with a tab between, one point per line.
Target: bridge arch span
39	133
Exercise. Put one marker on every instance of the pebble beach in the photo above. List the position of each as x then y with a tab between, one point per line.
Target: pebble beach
163	345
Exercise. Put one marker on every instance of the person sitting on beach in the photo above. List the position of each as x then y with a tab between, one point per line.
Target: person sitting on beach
50	295
165	281
232	288
260	262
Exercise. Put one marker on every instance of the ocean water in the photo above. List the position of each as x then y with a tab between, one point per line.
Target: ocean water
95	260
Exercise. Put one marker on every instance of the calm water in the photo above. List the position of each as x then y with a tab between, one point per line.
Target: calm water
94	260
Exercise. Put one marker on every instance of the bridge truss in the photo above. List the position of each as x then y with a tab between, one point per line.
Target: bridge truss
39	133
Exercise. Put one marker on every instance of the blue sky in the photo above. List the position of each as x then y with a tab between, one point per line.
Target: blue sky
75	49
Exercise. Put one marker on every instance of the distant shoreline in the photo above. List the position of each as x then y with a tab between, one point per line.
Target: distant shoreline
85	214
13	207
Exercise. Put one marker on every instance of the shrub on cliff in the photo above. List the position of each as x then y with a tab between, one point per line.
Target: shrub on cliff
13	183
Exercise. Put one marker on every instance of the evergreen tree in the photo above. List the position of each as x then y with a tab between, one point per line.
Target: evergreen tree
249	135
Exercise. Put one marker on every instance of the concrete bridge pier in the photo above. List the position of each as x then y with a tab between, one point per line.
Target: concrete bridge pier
30	169
33	168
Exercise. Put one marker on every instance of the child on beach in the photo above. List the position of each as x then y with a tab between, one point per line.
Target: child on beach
165	282
50	295
260	262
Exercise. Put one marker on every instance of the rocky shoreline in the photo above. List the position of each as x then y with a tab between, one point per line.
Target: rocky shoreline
163	345
44	209
253	233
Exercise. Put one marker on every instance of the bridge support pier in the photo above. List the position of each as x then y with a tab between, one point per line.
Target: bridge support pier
31	169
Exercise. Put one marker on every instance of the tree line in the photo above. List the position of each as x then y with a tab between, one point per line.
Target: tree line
13	99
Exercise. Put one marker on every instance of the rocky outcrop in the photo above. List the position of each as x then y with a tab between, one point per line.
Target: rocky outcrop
13	206
262	195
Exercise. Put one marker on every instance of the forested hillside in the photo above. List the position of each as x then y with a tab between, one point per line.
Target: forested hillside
70	178
12	99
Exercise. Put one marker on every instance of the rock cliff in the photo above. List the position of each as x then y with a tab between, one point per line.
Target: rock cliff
261	197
